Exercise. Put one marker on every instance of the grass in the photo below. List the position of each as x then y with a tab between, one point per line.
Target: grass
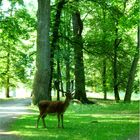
103	121
4	100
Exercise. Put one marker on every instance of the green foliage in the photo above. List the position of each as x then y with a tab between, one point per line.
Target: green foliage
105	121
100	20
16	62
99	35
14	2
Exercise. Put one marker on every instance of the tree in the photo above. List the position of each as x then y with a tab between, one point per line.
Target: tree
108	39
132	72
66	47
43	69
15	59
115	67
55	37
80	92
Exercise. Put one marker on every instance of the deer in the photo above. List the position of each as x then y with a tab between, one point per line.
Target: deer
55	108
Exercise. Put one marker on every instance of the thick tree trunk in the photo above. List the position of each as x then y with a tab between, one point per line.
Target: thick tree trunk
43	71
80	92
131	76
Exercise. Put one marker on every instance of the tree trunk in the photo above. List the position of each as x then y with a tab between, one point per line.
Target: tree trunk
115	68
43	71
104	58
67	58
7	89
58	78
115	73
7	85
59	75
55	36
67	75
131	76
61	81
104	79
80	92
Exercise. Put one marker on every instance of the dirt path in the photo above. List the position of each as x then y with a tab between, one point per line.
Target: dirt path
9	111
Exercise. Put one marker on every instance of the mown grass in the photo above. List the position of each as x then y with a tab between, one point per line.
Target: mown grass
4	100
103	121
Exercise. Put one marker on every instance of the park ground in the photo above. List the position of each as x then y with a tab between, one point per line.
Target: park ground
105	120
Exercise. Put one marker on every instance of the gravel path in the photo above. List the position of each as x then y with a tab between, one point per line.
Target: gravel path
9	111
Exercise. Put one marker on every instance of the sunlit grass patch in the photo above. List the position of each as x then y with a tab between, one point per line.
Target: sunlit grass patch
84	122
4	100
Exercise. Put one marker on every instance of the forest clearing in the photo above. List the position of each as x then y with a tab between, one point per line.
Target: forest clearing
69	69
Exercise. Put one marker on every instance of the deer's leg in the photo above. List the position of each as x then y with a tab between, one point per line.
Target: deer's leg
58	116
43	120
37	121
62	120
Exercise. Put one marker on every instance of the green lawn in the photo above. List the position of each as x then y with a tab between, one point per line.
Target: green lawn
4	100
103	121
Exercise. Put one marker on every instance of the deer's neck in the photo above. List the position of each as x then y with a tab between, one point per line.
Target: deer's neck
66	103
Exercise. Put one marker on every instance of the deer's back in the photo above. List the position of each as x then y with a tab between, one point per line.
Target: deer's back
51	107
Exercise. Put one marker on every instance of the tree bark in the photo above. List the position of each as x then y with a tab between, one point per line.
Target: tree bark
115	67
67	55
131	76
7	88
104	58
55	36
43	70
115	73
7	85
67	62
104	79
58	77
67	65
80	92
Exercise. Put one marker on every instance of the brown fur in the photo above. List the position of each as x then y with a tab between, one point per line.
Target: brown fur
53	107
